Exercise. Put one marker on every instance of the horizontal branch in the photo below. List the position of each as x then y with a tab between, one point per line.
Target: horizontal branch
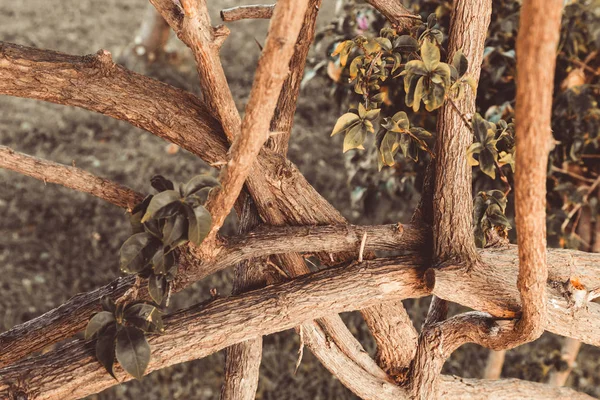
68	176
72	372
71	317
259	11
95	83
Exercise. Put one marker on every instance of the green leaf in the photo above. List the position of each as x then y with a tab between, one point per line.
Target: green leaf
108	304
199	222
98	322
372	114
157	287
460	62
487	163
473	149
145	316
431	20
162	262
401	119
406	44
159	202
430	53
415	67
175	231
418	95
137	213
441	74
198	183
434	97
105	350
389	147
384	43
132	258
345	122
133	351
355	138
362	111
160	183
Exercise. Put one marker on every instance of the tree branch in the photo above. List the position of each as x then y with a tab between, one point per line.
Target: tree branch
72	371
71	177
259	11
395	12
95	83
71	317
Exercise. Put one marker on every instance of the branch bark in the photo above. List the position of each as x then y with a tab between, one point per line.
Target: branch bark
494	364
396	13
259	11
71	317
72	371
68	176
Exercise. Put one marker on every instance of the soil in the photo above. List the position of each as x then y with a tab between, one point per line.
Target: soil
55	242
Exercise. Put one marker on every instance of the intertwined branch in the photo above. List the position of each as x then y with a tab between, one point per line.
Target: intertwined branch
277	195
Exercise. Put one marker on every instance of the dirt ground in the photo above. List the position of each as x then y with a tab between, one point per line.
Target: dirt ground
55	243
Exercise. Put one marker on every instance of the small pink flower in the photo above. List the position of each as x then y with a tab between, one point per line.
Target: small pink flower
363	22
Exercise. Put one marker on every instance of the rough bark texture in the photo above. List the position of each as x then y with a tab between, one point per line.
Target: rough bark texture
71	317
242	361
271	73
396	13
72	372
70	177
539	30
259	11
95	83
452	198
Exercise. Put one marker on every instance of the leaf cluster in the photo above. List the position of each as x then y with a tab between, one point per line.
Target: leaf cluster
494	145
161	223
489	219
396	133
120	331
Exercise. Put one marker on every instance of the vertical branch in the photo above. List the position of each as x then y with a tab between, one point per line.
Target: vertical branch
452	198
242	362
539	30
272	70
569	351
494	364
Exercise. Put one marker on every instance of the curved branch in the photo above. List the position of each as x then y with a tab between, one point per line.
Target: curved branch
258	11
95	83
71	177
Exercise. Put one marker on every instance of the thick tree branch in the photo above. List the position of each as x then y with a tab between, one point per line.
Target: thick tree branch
95	83
259	11
196	31
272	70
71	177
72	371
71	317
243	360
494	364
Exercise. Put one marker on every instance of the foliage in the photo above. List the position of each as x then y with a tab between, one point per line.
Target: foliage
120	331
488	217
160	223
573	165
426	79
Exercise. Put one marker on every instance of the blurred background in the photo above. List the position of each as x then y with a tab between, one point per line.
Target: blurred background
55	242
